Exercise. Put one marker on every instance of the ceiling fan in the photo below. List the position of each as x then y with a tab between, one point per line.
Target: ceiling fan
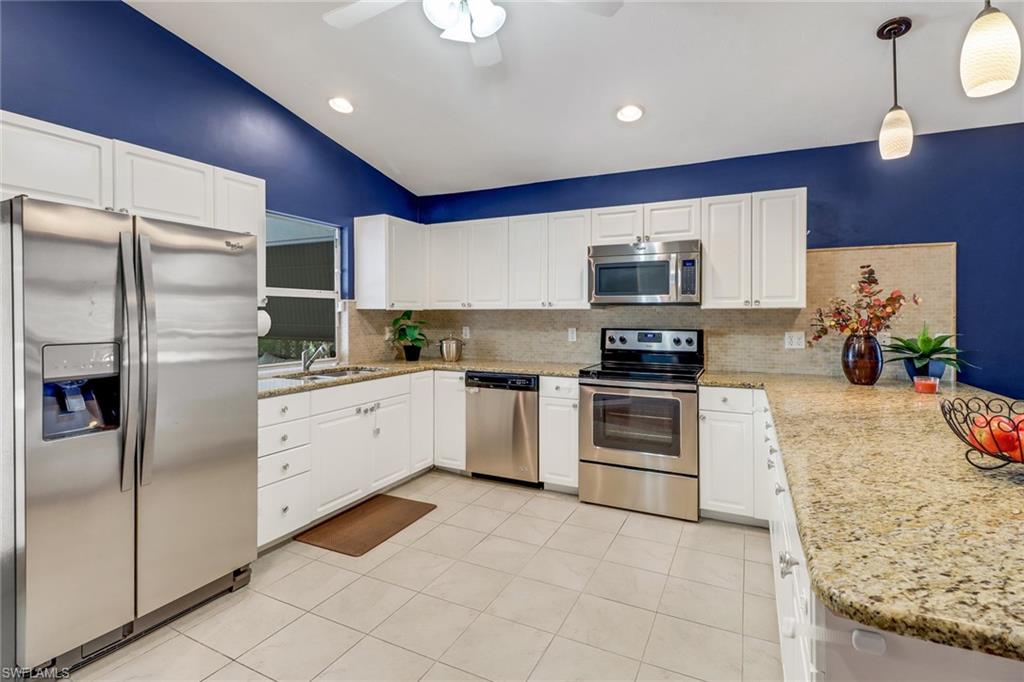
463	21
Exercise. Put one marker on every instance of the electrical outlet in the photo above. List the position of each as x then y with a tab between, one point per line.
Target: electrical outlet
795	340
465	332
572	334
884	338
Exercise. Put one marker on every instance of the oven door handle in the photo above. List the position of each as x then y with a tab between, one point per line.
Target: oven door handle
653	389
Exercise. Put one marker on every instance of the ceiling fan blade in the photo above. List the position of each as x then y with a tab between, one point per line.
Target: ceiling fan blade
486	52
357	12
604	8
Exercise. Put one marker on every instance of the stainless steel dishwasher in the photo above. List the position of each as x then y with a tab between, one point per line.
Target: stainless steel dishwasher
501	425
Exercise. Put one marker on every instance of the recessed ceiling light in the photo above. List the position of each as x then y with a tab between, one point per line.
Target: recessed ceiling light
341	104
629	113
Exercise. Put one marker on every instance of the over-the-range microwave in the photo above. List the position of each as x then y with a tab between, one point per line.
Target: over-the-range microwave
645	272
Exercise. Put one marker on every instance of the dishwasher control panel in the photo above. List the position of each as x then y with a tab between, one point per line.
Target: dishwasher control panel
502	381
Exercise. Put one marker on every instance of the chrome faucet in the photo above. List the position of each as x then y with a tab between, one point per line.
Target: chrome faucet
308	356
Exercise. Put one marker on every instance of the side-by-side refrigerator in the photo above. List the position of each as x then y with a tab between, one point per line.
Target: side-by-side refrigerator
129	428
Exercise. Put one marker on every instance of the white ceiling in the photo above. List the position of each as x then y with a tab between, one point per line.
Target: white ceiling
717	80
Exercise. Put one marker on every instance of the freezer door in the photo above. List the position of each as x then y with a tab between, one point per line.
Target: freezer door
197	469
75	525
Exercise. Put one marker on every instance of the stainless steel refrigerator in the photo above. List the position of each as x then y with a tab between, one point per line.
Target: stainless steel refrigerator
128	365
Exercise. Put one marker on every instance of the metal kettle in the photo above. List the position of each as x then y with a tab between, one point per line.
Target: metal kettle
451	348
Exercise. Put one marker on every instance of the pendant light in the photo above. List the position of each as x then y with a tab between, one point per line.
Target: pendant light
990	57
896	137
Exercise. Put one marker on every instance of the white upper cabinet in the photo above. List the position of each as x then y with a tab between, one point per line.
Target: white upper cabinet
447	262
487	263
528	261
780	249
668	221
391	263
725	258
163	186
54	163
240	206
755	250
568	237
617	224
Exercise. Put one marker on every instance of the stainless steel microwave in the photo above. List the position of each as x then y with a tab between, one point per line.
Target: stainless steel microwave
645	272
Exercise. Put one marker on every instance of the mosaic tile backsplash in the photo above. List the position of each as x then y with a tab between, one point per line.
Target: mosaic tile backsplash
748	340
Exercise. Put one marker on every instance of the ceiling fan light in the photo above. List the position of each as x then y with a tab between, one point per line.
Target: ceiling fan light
990	57
460	31
896	137
488	18
442	13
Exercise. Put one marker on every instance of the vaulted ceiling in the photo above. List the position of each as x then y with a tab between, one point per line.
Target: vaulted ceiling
717	80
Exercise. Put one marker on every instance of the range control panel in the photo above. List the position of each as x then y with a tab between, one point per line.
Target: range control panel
672	340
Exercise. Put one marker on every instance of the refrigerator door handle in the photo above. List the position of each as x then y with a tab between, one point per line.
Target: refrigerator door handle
149	363
130	361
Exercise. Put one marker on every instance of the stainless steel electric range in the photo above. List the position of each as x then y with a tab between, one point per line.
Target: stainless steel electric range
638	422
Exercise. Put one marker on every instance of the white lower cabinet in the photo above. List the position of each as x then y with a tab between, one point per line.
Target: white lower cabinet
450	420
283	507
559	441
726	462
421	447
389	452
765	459
341	442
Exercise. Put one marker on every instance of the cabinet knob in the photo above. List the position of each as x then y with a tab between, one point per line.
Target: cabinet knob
359	410
392	305
746	303
703	417
108	208
575	405
284	437
757	302
773	450
725	399
768	425
767	439
284	509
647	237
286	466
376	431
786	563
771	463
558	387
462	378
124	210
779	489
284	409
469	305
639	238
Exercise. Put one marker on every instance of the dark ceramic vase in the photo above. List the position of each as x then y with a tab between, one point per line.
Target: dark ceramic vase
412	353
934	368
862	359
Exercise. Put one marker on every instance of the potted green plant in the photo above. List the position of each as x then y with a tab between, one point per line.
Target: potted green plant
408	335
925	355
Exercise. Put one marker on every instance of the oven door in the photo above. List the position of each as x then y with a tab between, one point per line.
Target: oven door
641	428
650	278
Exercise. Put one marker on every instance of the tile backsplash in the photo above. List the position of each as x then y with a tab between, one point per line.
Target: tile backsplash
736	340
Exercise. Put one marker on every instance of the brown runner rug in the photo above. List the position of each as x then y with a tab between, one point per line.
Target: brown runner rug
358	530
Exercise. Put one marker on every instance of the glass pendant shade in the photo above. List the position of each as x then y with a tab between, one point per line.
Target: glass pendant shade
441	13
487	17
990	58
460	31
896	137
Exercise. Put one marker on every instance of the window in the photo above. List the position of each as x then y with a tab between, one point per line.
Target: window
302	262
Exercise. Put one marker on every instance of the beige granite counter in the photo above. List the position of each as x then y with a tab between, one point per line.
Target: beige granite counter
900	532
273	387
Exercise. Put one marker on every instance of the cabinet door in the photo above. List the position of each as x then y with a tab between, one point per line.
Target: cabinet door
779	244
390	460
450	420
421	447
726	462
447	266
157	185
240	205
487	263
559	441
765	452
617	224
568	238
51	162
528	261
725	246
342	444
668	221
406	265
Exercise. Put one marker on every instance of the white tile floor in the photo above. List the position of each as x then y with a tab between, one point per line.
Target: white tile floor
498	582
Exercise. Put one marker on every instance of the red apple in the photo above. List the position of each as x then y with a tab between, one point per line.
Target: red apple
1005	431
982	437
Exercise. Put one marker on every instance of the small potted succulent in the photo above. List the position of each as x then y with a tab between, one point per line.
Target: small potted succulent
925	355
408	335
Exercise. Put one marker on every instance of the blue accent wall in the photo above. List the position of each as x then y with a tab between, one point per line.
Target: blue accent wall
965	186
104	68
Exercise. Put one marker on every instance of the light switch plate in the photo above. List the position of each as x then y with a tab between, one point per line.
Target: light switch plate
795	341
572	334
465	332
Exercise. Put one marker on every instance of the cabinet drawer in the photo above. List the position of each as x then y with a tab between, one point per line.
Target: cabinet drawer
727	399
283	436
559	387
349	395
283	507
282	465
287	407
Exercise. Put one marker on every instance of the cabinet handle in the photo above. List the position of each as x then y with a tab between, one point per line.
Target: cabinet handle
779	489
376	431
766	410
703	417
786	563
286	466
392	305
284	509
746	303
639	238
558	387
773	450
725	399
376	406
575	406
108	208
771	463
284	437
767	439
757	302
359	410
647	237
124	210
284	410
769	425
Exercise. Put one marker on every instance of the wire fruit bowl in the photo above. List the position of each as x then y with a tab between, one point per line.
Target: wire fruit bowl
993	429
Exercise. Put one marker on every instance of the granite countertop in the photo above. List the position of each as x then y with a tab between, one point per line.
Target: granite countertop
900	532
284	384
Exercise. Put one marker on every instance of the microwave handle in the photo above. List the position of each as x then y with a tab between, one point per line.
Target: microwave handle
674	284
